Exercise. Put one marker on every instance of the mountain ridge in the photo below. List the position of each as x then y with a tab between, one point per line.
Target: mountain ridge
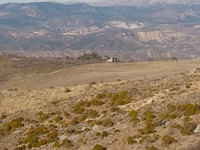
155	31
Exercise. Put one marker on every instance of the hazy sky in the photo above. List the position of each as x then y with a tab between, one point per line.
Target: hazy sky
27	1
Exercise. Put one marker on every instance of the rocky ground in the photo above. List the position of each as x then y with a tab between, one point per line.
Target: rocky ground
159	113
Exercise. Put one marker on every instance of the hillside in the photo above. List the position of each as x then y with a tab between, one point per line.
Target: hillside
158	31
152	113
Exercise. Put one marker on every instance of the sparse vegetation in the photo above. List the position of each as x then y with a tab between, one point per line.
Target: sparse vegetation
98	147
167	140
130	140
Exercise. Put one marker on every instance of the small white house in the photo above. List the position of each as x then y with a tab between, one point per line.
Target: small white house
113	59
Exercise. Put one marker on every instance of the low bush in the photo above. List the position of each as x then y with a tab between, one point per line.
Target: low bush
133	115
98	147
167	140
96	102
130	140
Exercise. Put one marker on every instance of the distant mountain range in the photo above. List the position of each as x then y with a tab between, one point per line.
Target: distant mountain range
156	31
143	3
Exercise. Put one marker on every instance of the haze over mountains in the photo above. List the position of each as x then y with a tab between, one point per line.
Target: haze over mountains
158	31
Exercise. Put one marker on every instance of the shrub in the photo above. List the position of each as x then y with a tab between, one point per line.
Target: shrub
148	127
100	96
147	115
3	117
172	116
12	125
57	119
92	113
171	107
162	116
121	98
190	109
98	134
78	110
114	109
67	143
104	134
82	117
79	107
130	140
98	147
78	132
52	136
108	95
116	130
56	144
32	139
133	115
74	122
41	143
98	122
167	140
96	102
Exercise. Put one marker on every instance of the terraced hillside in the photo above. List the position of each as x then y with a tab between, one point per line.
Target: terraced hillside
153	113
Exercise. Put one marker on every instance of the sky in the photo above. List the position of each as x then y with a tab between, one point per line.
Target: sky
27	1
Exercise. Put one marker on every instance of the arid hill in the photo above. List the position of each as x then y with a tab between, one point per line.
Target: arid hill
160	111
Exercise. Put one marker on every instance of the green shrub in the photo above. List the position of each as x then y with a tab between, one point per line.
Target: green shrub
172	116
114	109
66	143
41	143
12	125
98	147
78	132
96	102
104	134
162	116
130	140
92	113
116	130
78	110
32	139
98	134
74	122
82	117
148	127
147	115
98	122
167	140
100	95
52	136
57	119
133	115
56	144
3	117
190	109
121	98
108	95
79	107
